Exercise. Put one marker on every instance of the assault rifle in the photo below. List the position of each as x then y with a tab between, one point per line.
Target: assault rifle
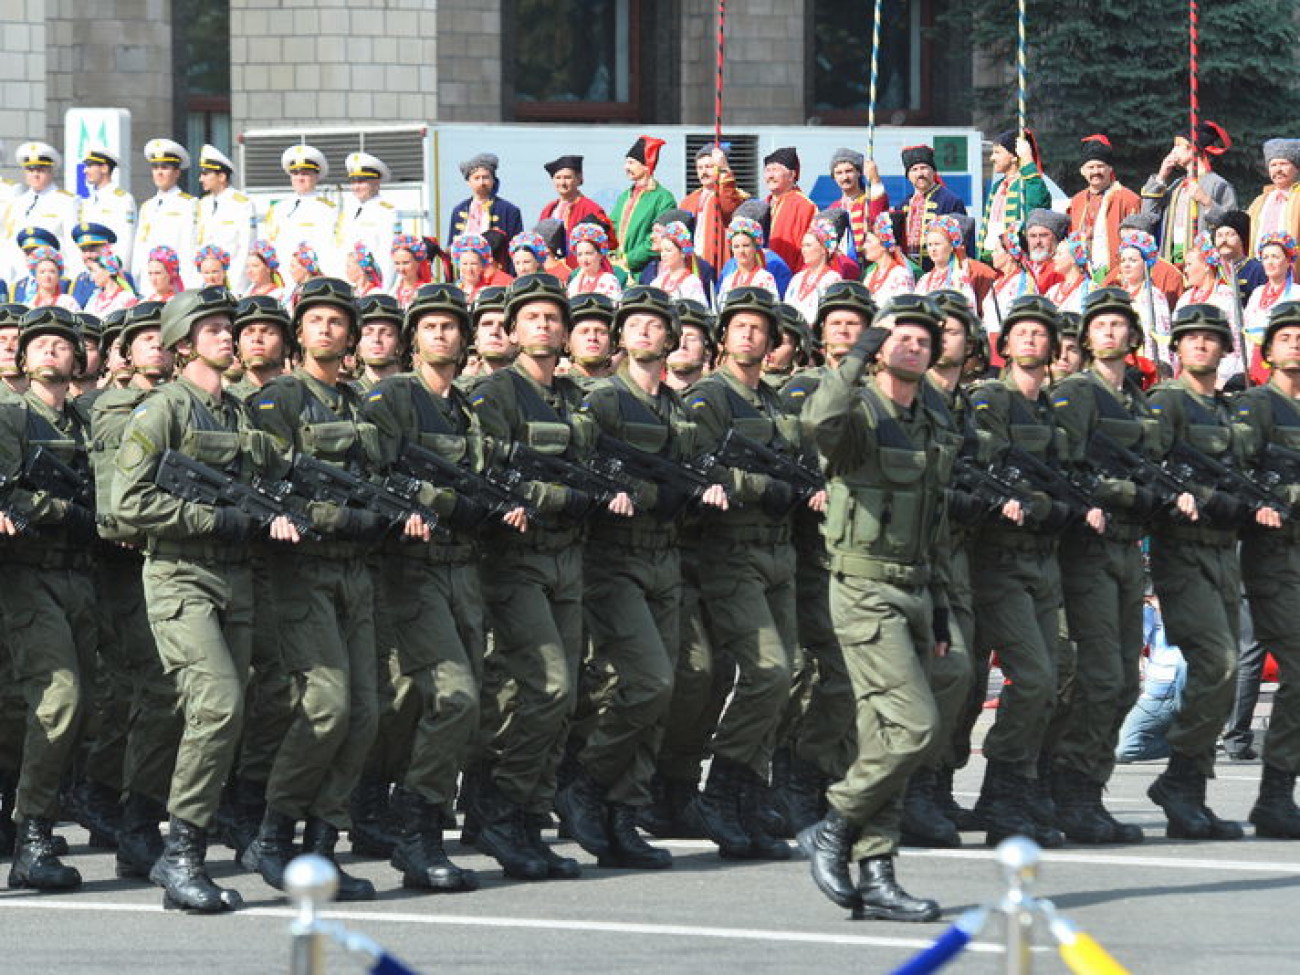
1050	480
679	483
978	491
747	454
263	500
20	522
1237	495
1158	488
593	487
478	496
1278	466
394	500
43	471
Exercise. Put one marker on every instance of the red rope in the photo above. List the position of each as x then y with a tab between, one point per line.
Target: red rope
722	49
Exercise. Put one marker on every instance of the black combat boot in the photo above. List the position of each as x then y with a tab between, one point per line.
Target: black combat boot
181	873
828	844
1220	829
321	838
1124	832
799	795
883	899
581	804
35	865
1077	810
1002	808
420	856
557	867
1275	814
953	811
627	849
717	808
756	822
924	823
503	833
96	807
1039	802
370	832
1179	791
139	843
272	850
248	806
8	831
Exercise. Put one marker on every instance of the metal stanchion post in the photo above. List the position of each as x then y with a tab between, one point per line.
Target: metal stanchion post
310	881
1018	857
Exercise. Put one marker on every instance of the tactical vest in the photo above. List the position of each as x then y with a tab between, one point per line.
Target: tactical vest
112	410
545	429
51	544
444	431
347	442
882	518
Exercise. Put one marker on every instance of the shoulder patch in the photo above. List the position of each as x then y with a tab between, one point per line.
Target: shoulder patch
375	396
1061	401
476	399
266	404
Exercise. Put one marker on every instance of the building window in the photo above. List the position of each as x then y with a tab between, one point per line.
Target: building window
201	55
842	61
576	60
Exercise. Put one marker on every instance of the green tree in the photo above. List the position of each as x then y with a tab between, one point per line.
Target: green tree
1122	70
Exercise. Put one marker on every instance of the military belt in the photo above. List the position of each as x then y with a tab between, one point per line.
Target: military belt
892	573
748	534
1018	541
434	553
196	550
1199	535
634	536
48	558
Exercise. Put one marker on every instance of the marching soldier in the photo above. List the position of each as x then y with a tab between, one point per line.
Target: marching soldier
169	218
324	595
140	714
1196	574
747	574
13	382
382	348
889	458
434	599
533	584
42	205
1017	579
197	582
493	348
48	599
1104	586
820	741
1270	560
227	218
305	216
591	343
106	204
368	218
264	342
632	595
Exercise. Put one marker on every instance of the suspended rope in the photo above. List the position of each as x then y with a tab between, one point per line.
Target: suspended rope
722	60
1022	67
1194	52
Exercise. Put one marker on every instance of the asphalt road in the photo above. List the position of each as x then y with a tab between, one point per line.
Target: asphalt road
1162	907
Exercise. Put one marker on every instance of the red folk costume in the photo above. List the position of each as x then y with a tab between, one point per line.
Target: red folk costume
570	213
791	212
1091	212
713	212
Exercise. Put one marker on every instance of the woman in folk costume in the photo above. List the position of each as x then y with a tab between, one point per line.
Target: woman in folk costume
1014	280
806	287
678	273
411	259
473	258
1137	253
749	264
164	272
946	247
1070	261
213	265
1277	252
1207	284
888	273
113	292
529	253
263	271
589	245
304	265
484	212
362	270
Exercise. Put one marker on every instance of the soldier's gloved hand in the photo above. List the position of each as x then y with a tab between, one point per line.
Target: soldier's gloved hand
778	498
466	514
232	525
79	522
864	350
939	623
360	525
